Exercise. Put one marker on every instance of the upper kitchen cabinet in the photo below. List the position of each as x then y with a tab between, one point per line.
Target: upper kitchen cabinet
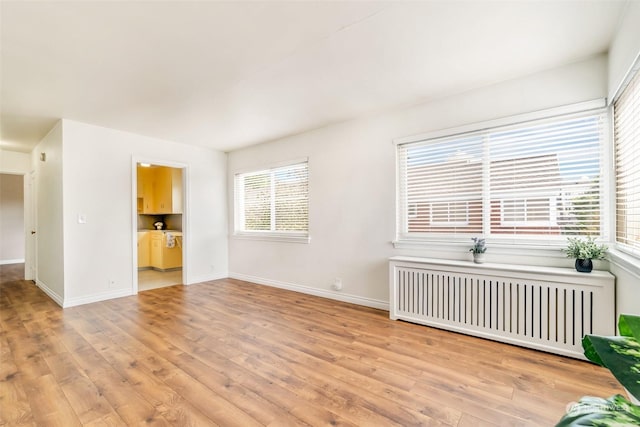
159	190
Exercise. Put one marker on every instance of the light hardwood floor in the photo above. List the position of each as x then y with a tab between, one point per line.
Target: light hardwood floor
232	353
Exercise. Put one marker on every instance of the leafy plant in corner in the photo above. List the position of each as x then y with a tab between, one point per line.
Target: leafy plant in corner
621	355
479	246
584	248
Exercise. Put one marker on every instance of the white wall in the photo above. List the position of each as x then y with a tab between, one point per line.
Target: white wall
50	232
97	178
625	48
352	185
11	218
14	162
624	53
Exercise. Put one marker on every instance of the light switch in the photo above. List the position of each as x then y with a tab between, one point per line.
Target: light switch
82	219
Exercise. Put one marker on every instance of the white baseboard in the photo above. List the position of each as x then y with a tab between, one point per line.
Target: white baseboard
11	261
338	296
50	292
102	296
206	278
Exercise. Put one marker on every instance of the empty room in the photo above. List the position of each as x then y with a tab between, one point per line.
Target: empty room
307	213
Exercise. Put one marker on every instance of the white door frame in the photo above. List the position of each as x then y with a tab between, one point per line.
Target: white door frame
31	226
134	214
27	208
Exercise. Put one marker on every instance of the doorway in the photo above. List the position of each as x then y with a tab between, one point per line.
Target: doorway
159	209
12	219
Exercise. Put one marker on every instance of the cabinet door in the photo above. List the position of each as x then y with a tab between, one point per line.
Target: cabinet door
162	190
145	189
172	257
176	190
156	250
144	259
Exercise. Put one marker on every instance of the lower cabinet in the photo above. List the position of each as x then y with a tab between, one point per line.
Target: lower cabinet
156	249
144	255
172	257
162	257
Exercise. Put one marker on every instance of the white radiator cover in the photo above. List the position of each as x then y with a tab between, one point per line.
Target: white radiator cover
544	308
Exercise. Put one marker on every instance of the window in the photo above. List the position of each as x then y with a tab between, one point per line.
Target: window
533	212
627	160
273	202
539	179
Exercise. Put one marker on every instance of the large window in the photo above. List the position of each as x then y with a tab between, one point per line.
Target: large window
535	179
627	158
273	202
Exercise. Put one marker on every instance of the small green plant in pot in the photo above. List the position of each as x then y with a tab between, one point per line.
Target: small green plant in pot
621	355
584	251
478	249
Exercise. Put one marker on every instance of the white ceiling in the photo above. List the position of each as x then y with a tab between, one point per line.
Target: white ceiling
231	74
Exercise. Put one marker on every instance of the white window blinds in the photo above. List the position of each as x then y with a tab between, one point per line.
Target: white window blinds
539	178
627	159
273	201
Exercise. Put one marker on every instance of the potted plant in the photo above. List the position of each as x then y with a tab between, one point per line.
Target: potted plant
621	355
478	249
584	251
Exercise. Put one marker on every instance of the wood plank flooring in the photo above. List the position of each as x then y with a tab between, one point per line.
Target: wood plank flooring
233	353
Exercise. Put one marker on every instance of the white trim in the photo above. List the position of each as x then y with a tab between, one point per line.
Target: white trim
102	296
50	292
554	274
11	261
627	262
581	107
495	248
269	166
206	278
338	296
271	237
622	85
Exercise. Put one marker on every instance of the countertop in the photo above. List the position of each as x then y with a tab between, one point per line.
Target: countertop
174	232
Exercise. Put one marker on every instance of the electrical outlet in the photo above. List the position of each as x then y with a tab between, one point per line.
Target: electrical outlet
111	283
337	284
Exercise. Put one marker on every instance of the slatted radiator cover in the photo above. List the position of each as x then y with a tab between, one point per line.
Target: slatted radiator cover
548	309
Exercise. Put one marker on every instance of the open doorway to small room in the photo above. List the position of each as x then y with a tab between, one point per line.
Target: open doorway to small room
159	210
12	223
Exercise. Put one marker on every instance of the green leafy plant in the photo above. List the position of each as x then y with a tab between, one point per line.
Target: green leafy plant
479	245
621	355
584	248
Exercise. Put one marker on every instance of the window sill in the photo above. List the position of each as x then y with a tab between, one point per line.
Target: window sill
273	237
523	249
627	262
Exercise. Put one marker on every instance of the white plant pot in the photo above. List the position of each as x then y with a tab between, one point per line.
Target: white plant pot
478	258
